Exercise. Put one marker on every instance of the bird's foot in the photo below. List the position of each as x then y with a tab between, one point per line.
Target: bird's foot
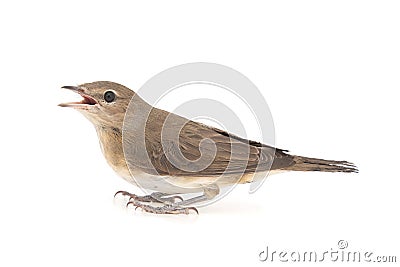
157	197
166	209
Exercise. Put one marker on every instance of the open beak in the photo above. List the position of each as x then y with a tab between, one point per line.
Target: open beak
85	103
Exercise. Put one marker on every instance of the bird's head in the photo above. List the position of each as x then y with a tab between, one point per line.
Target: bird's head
104	103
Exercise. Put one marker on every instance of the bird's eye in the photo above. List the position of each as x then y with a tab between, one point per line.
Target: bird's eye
109	96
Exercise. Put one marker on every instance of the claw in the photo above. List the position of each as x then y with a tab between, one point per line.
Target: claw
193	208
129	203
135	204
124	193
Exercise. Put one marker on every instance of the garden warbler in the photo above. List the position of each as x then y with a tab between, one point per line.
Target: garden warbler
169	154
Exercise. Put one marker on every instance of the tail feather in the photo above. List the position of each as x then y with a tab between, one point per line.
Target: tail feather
322	165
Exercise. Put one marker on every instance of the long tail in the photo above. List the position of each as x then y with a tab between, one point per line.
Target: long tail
322	165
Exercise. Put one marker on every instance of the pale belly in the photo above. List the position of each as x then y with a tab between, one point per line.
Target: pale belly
182	185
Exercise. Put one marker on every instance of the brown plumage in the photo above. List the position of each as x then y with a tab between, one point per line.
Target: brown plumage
163	151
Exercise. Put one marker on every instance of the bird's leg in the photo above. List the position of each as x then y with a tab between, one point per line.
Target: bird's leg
153	197
181	207
210	191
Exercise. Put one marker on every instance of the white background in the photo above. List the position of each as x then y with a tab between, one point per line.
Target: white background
328	70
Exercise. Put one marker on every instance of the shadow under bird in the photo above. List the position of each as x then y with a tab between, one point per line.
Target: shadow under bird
171	155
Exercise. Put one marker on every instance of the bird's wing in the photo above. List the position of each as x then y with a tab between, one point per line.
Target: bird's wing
177	146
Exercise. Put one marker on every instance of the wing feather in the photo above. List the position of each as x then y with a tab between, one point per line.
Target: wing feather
177	146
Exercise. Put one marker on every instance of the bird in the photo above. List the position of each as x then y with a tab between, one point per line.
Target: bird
172	155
